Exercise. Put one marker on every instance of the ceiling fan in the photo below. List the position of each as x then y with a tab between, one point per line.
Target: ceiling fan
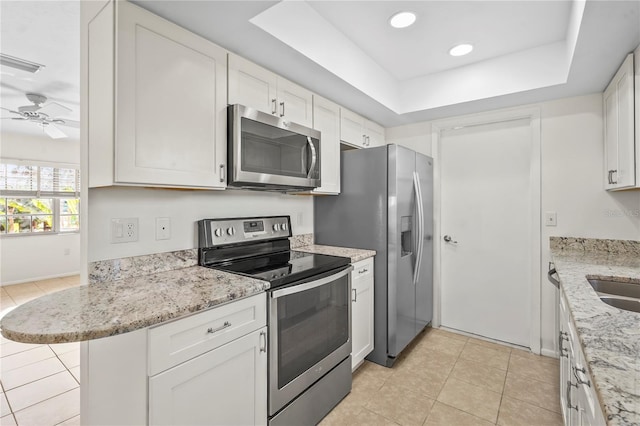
44	116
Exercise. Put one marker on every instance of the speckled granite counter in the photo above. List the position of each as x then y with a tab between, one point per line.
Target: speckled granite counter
116	307
355	255
610	337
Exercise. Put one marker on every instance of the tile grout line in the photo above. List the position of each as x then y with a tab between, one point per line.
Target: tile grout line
504	386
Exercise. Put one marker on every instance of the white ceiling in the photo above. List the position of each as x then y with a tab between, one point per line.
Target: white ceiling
48	33
494	28
524	51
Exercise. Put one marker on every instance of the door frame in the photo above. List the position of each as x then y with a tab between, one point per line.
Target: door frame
437	127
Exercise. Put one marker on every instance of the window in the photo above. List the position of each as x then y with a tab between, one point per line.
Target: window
38	199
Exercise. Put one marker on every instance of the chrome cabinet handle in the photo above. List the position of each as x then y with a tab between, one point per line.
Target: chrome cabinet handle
282	105
553	280
226	324
263	342
221	172
609	177
364	140
578	379
614	182
448	239
569	406
355	295
363	270
562	336
273	106
368	141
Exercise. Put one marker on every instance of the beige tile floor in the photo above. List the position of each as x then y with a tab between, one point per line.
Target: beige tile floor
40	383
441	379
449	379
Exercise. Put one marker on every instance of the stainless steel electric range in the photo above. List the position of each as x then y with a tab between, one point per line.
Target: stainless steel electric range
308	308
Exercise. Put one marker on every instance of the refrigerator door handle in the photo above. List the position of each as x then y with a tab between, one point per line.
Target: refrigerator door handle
419	228
421	233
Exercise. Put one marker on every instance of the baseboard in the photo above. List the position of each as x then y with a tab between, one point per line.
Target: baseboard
48	277
549	353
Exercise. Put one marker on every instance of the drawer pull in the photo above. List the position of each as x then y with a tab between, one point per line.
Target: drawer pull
355	295
226	324
263	342
579	380
363	270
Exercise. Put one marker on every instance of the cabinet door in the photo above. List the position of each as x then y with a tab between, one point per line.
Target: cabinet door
251	85
362	311
225	386
170	108
374	133
352	128
295	103
326	119
619	136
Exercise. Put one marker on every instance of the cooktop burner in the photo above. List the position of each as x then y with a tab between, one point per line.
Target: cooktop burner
285	267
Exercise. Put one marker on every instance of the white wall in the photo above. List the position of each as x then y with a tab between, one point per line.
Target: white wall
38	257
184	207
572	185
30	258
39	148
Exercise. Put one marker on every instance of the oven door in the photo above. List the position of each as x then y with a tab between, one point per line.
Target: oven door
267	151
309	334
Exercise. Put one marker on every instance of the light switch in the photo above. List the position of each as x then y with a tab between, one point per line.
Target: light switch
550	218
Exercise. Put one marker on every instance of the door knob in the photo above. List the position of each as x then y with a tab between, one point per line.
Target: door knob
448	239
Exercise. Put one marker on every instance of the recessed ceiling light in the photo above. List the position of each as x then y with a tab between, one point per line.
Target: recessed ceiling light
402	19
461	50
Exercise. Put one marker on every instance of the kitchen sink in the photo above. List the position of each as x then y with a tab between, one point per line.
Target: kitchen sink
621	295
616	288
626	304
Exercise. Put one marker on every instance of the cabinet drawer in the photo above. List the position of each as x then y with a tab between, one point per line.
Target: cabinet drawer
363	268
183	339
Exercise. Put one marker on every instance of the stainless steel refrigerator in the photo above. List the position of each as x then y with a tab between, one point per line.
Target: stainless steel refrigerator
386	204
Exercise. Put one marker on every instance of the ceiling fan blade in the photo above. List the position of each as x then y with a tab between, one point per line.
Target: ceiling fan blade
68	123
54	109
10	110
13	118
54	132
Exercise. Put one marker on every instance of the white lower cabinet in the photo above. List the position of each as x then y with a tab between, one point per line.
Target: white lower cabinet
361	311
578	398
208	368
225	386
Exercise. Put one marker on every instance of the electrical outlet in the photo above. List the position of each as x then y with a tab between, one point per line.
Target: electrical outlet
124	230
163	228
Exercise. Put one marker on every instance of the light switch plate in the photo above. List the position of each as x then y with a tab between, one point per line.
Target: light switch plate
124	230
550	219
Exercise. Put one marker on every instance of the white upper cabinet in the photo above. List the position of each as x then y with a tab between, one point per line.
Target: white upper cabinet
167	90
326	119
358	131
255	87
619	135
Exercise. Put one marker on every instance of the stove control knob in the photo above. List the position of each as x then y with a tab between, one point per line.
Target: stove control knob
276	227
284	226
231	230
218	232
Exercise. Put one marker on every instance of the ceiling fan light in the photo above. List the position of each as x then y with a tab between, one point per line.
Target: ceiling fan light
402	19
461	49
20	64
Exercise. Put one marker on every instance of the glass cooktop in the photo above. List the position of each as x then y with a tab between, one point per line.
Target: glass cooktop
285	267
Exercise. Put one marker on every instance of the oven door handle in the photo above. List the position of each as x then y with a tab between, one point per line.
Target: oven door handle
312	284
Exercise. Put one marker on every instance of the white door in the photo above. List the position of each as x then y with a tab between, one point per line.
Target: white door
487	200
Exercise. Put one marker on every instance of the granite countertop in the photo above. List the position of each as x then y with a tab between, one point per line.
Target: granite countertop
114	307
354	254
610	337
133	293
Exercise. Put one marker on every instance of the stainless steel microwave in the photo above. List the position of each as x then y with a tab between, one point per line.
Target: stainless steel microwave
268	152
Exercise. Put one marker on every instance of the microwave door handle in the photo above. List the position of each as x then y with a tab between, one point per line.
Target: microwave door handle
314	157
